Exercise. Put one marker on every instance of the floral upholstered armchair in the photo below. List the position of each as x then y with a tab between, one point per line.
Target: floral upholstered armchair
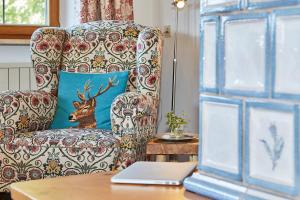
29	150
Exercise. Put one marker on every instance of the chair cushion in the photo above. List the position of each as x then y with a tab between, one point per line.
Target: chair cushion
84	100
52	153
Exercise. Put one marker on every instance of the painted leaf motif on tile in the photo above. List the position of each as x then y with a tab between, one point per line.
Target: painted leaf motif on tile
275	151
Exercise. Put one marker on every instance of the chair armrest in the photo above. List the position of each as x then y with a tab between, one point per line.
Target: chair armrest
26	111
133	119
132	112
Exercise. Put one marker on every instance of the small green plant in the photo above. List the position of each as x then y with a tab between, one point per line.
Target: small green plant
174	122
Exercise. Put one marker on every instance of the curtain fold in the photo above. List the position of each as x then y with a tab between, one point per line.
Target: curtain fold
93	10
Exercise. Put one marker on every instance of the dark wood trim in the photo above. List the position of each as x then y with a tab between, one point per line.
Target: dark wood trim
25	32
54	13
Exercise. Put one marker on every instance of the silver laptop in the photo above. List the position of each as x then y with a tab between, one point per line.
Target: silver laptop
159	173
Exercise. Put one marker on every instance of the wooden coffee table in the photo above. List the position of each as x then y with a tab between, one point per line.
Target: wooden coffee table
95	186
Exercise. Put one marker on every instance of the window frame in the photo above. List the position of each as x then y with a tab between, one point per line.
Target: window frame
25	31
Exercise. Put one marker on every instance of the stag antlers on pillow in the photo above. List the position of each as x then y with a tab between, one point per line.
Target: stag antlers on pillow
85	110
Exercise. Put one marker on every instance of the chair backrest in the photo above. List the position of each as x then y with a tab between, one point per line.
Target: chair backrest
101	46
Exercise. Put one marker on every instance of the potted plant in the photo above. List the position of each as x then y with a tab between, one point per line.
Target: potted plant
176	124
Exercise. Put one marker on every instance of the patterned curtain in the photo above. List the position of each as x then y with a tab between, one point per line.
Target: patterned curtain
93	10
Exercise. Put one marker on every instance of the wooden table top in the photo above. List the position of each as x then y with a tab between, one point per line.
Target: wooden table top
95	186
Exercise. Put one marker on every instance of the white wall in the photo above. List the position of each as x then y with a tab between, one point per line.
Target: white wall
152	13
15	54
146	12
69	12
161	13
189	63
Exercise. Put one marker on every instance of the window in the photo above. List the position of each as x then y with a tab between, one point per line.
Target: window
20	18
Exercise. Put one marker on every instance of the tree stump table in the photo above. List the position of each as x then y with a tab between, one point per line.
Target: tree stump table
170	150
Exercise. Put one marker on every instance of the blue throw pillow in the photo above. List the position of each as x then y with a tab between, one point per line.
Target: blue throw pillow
84	100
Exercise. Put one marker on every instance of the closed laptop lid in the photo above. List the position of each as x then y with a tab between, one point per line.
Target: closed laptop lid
165	173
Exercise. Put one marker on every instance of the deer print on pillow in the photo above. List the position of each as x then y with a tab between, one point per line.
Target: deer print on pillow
85	108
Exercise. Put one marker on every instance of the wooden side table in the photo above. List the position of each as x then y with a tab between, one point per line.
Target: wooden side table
162	149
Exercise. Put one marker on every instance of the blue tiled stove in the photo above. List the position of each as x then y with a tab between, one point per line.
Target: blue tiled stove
249	100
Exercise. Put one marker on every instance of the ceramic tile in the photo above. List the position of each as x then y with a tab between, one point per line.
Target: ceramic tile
211	6
261	4
221	132
272	146
244	60
286	60
209	39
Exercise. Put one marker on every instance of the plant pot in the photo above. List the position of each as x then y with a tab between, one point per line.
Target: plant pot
177	132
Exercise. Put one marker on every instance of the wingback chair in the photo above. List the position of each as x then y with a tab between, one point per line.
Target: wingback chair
29	150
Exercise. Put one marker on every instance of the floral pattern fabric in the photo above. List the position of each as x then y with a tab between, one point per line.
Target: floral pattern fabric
96	47
93	10
149	56
52	153
100	47
46	51
22	112
134	118
108	46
